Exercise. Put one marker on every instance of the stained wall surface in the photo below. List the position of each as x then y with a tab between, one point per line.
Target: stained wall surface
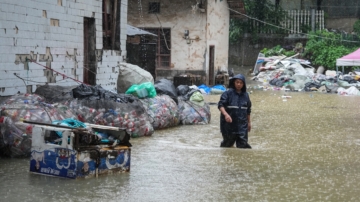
51	32
206	27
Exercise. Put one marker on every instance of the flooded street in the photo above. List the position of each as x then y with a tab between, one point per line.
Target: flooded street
306	148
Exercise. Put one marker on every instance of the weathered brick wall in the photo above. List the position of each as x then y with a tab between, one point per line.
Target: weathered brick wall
51	32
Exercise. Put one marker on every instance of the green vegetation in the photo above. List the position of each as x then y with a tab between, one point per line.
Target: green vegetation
357	27
262	10
276	51
323	48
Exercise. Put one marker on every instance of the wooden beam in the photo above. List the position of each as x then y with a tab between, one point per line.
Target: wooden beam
114	25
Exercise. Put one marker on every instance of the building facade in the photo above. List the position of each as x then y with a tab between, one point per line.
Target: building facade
61	42
193	35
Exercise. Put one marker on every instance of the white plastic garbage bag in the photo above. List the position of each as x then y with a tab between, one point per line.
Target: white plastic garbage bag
130	74
350	91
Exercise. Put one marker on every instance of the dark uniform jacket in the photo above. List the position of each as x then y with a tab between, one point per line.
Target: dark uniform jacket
238	106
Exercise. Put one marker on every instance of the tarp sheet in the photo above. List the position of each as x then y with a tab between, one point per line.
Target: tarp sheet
352	59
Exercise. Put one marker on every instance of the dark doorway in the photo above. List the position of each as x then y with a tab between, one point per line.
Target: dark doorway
211	65
89	51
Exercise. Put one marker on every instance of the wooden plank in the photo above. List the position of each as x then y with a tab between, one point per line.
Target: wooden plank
53	125
114	25
103	127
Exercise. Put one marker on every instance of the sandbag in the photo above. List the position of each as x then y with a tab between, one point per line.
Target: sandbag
130	74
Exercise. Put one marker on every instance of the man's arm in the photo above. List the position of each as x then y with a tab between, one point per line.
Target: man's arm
227	116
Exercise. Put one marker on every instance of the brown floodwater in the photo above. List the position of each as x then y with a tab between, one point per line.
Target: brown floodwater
305	148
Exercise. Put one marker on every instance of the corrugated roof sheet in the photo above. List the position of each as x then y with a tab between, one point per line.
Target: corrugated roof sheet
132	31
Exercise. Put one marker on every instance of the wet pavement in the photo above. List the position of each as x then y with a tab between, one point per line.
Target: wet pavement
304	149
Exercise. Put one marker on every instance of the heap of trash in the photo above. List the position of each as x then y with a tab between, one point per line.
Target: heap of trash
142	109
289	73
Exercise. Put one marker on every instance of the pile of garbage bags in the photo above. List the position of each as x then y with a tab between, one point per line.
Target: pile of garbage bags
289	73
138	115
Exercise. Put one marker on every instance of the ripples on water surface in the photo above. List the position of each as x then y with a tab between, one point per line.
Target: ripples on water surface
304	149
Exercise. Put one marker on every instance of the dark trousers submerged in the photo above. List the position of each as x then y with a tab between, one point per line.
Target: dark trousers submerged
240	139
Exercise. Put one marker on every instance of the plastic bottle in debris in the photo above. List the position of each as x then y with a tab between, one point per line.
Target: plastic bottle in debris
130	123
36	116
110	118
27	115
90	114
116	122
22	113
143	130
98	117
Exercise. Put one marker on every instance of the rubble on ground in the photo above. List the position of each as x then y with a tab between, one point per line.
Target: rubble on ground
290	73
92	104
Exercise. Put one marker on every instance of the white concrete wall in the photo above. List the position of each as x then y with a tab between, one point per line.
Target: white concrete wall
24	31
211	27
218	33
178	17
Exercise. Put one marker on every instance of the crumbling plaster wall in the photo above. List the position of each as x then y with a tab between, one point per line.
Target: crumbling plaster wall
210	28
52	34
218	33
178	16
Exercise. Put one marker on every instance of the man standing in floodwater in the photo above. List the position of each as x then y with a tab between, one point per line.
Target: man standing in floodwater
235	108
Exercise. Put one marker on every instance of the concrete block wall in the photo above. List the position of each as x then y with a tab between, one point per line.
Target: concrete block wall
108	67
50	32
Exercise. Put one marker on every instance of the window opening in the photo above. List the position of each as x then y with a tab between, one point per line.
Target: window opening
154	7
163	41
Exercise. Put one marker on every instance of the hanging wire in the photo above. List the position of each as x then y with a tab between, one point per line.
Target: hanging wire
64	76
28	80
163	33
88	69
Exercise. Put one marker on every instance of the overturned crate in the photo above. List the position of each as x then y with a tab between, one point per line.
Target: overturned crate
79	153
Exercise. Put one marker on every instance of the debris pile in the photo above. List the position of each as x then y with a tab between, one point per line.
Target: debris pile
94	105
280	72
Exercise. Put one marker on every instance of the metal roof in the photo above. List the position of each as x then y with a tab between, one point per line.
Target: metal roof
132	31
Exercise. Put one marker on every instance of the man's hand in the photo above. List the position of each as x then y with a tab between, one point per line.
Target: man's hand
228	118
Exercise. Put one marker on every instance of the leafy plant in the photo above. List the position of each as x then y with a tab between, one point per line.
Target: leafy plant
323	48
357	27
276	51
262	10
